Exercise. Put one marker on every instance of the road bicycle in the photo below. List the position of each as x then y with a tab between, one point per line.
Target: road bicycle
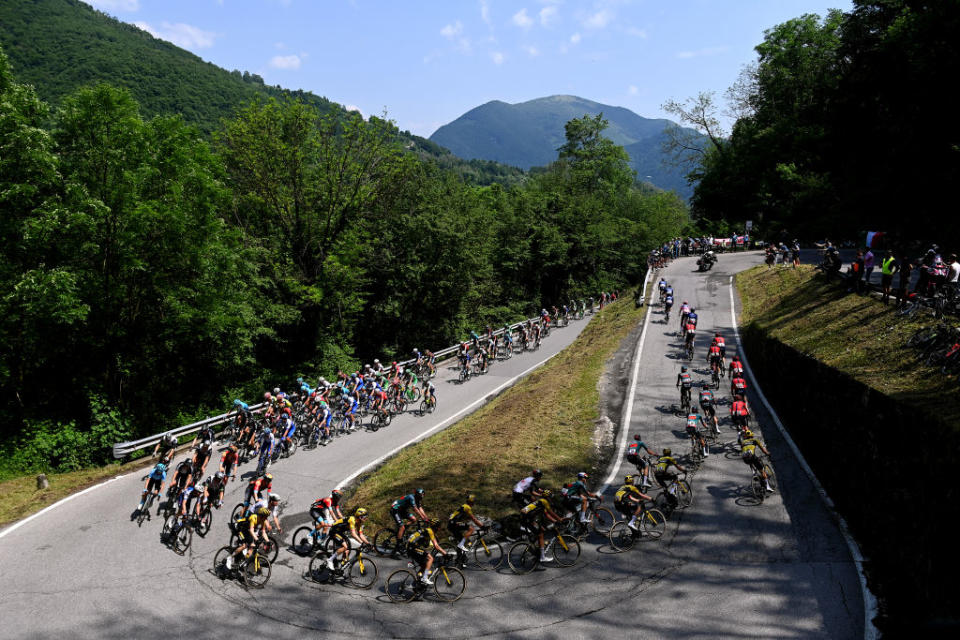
688	349
650	524
358	569
676	495
449	583
524	556
253	570
757	486
383	418
715	376
484	548
428	405
684	400
385	541
464	371
599	520
178	533
144	513
308	540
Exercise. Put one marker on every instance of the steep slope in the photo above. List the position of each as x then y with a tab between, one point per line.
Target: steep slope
528	134
61	45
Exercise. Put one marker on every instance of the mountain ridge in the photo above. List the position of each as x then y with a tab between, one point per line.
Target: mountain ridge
528	134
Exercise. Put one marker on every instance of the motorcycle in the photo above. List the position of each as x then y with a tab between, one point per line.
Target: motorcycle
706	261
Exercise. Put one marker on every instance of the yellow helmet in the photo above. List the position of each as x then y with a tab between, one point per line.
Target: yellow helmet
263	512
361	512
628	479
748	434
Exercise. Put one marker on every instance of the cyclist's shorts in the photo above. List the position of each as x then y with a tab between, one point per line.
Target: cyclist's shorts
691	431
625	507
456	528
752	460
400	515
419	556
155	483
664	478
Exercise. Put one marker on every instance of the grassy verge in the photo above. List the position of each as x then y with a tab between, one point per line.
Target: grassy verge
857	335
545	421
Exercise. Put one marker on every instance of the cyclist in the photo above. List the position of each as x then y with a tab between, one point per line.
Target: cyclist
165	448
739	413
204	448
325	512
577	492
720	342
684	310
461	524
401	508
738	386
249	529
664	475
635	455
420	546
694	421
667	306
347	531
430	358
186	501
272	504
483	357
154	483
685	382
463	355
429	392
532	516
324	417
715	359
183	476
709	411
267	442
628	500
662	285
748	449
736	367
256	489
287	427
528	489
212	488
692	317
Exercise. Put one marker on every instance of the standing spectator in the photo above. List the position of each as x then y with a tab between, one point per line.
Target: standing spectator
906	270
888	267
795	250
868	259
923	278
856	274
676	247
953	276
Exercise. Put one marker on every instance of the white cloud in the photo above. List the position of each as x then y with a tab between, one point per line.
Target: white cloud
285	62
521	19
532	51
180	34
485	11
575	38
701	53
497	57
548	15
633	90
115	5
636	33
453	30
598	20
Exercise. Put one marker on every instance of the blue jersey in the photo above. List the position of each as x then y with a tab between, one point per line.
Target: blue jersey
576	489
692	318
157	474
406	502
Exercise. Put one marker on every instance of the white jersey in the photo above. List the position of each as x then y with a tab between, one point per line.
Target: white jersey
524	485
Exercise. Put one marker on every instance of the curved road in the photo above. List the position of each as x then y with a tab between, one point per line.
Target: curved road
725	568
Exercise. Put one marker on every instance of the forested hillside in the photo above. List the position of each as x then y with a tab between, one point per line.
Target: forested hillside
845	127
59	46
148	276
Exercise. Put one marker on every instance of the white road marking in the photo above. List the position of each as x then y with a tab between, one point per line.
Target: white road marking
869	600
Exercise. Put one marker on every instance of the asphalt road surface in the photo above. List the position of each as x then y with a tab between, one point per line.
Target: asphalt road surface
725	568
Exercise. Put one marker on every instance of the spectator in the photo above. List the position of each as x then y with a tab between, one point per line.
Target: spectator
923	279
906	270
856	274
868	258
953	276
888	267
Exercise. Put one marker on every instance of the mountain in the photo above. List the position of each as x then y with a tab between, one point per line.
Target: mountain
59	46
528	134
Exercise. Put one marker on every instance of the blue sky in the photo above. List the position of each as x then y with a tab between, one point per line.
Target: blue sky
428	62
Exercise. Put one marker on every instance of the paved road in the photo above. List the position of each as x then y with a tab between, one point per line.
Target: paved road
724	568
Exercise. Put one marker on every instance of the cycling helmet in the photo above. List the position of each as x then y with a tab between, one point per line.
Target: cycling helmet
748	434
537	473
263	512
667	452
208	480
434	523
267	430
582	476
233	448
375	361
683	369
360	512
415	350
221	475
684	302
276	390
268	477
161	467
267	396
419	491
628	479
274	497
637	437
546	493
692	310
717	334
335	493
470	498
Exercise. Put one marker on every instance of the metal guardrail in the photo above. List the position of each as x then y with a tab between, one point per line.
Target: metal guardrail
124	449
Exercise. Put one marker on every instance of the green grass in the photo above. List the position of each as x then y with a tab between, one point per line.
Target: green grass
546	421
857	335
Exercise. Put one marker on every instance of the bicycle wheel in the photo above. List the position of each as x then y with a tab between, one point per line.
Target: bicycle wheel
449	584
401	586
256	572
237	512
220	562
602	520
566	550
385	542
302	541
317	570
271	547
653	524
684	493
523	557
182	539
487	553
771	476
621	536
362	572
757	489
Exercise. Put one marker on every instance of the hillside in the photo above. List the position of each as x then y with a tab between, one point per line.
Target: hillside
528	134
59	46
